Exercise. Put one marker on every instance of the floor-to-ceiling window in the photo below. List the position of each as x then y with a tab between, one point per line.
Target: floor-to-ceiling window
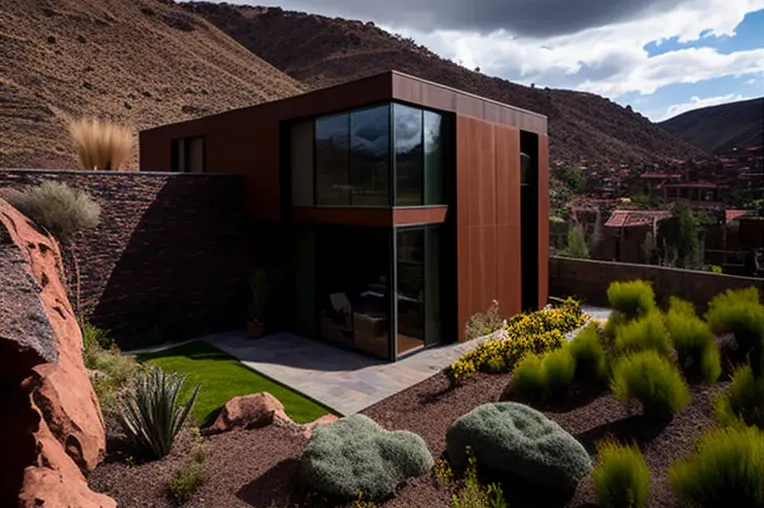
352	287
418	296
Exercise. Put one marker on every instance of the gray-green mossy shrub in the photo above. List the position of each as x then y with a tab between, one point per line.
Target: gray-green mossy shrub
514	438
355	454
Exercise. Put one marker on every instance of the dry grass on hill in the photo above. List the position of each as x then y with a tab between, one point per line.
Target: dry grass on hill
140	63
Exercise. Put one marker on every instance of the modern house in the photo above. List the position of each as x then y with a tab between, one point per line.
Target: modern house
404	206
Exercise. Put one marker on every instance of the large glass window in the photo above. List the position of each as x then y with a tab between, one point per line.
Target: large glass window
370	156
332	160
418	277
434	159
362	158
353	289
408	156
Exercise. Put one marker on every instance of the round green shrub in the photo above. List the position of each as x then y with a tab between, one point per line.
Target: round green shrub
697	353
527	380
744	401
355	454
516	439
739	312
726	470
632	299
559	369
648	332
622	479
676	304
542	377
651	379
589	355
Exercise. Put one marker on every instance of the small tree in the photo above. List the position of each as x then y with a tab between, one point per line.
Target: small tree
681	234
577	247
597	234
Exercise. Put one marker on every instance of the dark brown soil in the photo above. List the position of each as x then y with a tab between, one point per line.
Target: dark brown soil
257	468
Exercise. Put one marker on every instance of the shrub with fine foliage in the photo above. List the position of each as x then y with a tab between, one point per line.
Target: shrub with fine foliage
152	414
100	145
632	299
727	470
676	304
543	377
516	439
651	379
355	454
589	355
739	313
622	479
648	332
744	400
57	207
697	353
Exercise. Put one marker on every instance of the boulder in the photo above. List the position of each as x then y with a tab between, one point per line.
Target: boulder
258	410
56	434
355	454
513	438
249	411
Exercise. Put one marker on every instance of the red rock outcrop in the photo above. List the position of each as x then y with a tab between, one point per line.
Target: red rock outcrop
258	410
55	432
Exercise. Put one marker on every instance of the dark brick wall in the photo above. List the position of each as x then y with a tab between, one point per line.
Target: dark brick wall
169	257
590	279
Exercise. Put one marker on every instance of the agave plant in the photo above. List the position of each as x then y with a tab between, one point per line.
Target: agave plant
151	412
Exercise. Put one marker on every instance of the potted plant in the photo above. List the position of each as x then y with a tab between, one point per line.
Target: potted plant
258	285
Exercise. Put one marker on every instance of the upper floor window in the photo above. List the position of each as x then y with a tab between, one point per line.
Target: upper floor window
188	155
387	155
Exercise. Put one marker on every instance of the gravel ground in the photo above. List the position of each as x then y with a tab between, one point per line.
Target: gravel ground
256	468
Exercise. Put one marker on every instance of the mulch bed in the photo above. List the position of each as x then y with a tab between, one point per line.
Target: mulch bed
257	468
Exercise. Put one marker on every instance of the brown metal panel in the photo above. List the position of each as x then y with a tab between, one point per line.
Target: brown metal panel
377	217
465	202
423	215
543	197
508	235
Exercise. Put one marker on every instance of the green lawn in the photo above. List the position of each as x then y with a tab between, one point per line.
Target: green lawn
223	377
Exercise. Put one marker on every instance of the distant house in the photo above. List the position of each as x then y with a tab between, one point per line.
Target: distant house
391	208
626	231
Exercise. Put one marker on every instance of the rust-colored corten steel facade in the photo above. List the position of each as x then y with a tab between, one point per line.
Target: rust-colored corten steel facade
389	170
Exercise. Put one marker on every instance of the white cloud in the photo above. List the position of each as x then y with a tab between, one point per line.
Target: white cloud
609	60
697	103
750	81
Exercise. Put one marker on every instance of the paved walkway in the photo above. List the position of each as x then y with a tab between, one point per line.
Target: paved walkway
340	379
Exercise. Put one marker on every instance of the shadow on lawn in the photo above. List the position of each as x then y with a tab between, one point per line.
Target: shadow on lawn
275	487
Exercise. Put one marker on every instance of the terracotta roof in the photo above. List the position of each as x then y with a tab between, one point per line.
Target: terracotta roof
730	215
632	218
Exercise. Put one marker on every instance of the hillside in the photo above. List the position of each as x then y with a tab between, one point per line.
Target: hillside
141	62
322	51
719	129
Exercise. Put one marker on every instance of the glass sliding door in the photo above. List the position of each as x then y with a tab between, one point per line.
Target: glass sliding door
418	295
352	287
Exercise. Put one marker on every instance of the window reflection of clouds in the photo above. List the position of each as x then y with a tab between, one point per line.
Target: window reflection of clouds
408	127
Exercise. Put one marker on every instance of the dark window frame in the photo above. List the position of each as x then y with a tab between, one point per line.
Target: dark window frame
174	162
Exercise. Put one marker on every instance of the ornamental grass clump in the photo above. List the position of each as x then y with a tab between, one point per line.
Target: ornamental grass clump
589	355
652	380
645	333
622	479
100	145
152	414
726	470
743	402
739	312
697	352
544	377
632	299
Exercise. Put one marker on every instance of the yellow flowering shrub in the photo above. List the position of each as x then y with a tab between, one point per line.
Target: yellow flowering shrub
536	332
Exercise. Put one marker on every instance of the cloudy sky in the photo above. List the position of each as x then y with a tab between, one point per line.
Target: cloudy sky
663	57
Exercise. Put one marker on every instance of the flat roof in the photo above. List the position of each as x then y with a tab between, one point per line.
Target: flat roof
387	86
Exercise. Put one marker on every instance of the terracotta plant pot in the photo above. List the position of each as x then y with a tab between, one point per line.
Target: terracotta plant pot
255	329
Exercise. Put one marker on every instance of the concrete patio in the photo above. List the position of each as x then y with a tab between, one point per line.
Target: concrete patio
342	380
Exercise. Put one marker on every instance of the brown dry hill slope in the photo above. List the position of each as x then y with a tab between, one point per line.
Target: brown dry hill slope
721	128
142	62
321	51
